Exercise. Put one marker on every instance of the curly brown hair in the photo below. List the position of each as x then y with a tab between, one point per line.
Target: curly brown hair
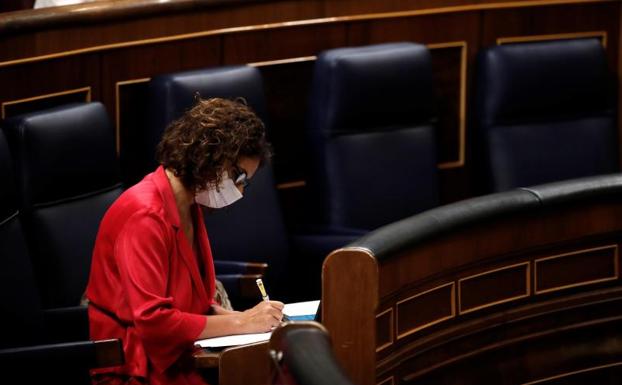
209	139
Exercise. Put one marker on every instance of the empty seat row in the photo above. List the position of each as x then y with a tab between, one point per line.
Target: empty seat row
543	112
372	149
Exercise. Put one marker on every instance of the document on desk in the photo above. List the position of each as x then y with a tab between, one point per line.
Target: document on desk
296	311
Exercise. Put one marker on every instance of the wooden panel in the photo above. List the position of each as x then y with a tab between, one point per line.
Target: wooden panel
601	35
49	78
73	27
493	287
287	87
532	349
245	364
425	309
124	75
354	346
578	268
147	61
555	20
281	43
449	61
384	329
36	103
131	109
600	374
150	60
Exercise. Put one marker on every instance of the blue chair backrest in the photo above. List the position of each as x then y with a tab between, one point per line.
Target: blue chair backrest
20	307
545	112
68	177
251	229
372	134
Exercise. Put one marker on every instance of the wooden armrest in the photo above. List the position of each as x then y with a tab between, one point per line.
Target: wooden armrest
256	268
248	286
240	267
245	364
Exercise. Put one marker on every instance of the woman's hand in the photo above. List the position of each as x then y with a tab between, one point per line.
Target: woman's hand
265	316
262	318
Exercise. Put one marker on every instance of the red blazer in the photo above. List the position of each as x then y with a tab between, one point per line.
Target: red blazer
145	285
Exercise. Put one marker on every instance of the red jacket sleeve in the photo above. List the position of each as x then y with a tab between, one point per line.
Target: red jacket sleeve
143	251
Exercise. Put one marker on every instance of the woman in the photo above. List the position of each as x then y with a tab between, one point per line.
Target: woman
152	275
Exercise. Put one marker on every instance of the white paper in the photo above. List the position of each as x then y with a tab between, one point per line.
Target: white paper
238	339
301	308
291	309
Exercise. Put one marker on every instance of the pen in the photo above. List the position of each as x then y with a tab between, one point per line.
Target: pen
264	295
262	289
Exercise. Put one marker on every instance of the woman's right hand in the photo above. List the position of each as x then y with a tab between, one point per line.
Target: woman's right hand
264	317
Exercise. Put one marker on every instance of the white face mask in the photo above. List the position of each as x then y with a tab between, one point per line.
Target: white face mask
219	196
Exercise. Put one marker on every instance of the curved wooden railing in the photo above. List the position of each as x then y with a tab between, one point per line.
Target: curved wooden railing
518	287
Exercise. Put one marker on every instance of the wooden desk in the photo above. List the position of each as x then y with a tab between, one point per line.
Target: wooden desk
519	287
238	365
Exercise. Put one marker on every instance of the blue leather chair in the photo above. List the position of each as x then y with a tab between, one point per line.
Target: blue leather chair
68	176
372	133
252	229
21	312
38	345
545	112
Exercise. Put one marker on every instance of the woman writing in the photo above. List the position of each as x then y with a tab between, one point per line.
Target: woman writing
152	275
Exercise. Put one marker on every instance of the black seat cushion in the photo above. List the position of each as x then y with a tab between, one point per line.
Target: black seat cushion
20	307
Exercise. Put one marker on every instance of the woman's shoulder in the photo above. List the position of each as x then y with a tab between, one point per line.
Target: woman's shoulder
142	199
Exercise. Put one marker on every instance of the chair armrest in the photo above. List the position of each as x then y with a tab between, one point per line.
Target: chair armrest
66	362
66	324
240	267
241	285
303	354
